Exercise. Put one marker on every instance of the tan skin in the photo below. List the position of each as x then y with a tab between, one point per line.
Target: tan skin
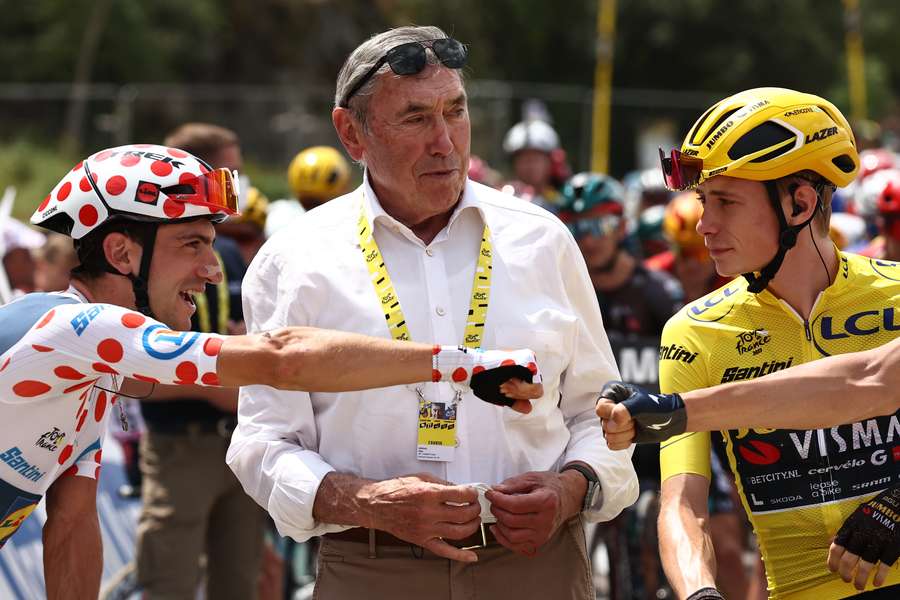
416	149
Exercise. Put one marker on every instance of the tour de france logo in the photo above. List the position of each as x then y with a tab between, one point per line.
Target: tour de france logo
752	341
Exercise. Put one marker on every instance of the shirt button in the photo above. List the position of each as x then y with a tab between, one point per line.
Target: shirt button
440	311
429	251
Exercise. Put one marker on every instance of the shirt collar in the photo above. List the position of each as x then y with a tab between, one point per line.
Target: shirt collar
376	213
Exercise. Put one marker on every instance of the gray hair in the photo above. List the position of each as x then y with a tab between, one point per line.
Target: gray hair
368	53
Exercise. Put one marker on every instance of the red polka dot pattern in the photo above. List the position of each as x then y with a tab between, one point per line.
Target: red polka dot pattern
47	318
100	406
110	350
508	363
98	456
103	155
66	372
65	454
116	185
172	208
102	368
5	363
436	349
84	185
186	372
459	374
78	386
129	160
212	346
64	191
44	203
176	153
39	348
161	168
97	473
81	421
210	379
186	178
533	368
71	471
435	375
140	377
133	320
477	369
78	166
88	215
30	388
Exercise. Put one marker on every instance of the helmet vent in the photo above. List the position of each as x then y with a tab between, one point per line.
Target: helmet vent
701	120
844	163
712	130
765	135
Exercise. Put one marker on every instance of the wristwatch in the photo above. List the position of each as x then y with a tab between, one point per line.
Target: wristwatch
593	497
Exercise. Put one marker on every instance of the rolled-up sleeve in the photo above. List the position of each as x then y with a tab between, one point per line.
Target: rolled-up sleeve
273	449
591	366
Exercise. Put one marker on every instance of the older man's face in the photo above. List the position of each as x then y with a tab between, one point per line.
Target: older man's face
417	145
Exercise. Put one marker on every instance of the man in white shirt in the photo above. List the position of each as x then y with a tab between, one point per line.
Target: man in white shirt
420	252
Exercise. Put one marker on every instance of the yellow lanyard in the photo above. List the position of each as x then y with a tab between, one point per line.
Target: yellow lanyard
390	302
224	304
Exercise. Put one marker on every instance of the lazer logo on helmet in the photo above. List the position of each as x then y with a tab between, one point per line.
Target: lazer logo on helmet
147	192
690	152
821	134
719	133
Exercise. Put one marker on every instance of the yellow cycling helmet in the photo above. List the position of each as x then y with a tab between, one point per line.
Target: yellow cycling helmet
765	134
320	172
680	220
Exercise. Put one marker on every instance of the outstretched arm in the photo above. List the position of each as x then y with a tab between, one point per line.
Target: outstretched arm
823	393
73	553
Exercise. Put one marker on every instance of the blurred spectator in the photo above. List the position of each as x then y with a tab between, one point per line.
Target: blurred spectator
53	262
531	145
193	504
316	175
17	243
887	205
481	172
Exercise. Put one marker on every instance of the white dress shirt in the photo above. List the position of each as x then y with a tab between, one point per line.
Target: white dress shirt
312	273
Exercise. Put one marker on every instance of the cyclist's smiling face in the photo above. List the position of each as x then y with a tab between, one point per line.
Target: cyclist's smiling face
738	224
183	262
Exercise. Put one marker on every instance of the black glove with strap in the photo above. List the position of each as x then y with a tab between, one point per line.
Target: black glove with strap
872	531
706	593
657	417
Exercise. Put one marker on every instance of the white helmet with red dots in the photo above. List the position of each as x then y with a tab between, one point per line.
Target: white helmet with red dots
141	182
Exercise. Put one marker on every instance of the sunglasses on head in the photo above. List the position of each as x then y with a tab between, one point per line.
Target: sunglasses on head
680	171
410	58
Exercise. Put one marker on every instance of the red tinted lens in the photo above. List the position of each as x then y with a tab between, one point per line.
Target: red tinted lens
214	190
680	172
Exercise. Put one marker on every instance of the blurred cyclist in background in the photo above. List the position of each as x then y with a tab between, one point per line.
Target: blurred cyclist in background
887	210
531	145
315	175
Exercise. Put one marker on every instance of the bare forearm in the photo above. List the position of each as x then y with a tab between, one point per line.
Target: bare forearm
321	360
338	501
823	393
73	557
685	547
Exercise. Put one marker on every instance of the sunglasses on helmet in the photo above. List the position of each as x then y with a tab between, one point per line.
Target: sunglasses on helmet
410	58
217	190
594	227
680	171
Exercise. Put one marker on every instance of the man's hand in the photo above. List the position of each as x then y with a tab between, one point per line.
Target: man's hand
631	414
869	536
532	506
486	372
422	510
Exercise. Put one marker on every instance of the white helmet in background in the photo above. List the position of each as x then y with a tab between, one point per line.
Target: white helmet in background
531	135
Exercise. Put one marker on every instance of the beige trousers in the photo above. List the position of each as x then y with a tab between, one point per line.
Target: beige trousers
560	570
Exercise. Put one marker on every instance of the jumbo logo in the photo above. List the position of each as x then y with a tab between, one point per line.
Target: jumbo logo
167	344
864	323
700	310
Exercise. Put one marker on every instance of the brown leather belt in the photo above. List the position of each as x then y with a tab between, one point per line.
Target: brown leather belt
383	538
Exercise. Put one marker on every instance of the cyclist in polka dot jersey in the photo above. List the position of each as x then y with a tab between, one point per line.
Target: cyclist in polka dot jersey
142	219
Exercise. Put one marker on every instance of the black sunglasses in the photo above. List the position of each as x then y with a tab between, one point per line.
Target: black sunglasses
409	59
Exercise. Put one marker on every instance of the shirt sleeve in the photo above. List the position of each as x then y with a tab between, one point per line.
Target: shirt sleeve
74	344
591	366
688	452
273	449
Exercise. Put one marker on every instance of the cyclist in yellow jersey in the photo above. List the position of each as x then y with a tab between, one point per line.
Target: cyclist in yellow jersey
765	163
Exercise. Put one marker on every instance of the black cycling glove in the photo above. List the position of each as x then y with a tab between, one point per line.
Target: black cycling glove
486	384
657	417
872	531
706	593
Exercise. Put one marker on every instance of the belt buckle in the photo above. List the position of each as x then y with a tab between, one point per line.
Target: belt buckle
483	543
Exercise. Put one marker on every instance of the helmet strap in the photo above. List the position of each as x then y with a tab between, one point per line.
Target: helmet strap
787	239
140	282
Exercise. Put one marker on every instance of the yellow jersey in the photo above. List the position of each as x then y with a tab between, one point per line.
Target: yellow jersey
798	487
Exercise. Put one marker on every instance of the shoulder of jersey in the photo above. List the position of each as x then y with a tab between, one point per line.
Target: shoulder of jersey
869	271
715	306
